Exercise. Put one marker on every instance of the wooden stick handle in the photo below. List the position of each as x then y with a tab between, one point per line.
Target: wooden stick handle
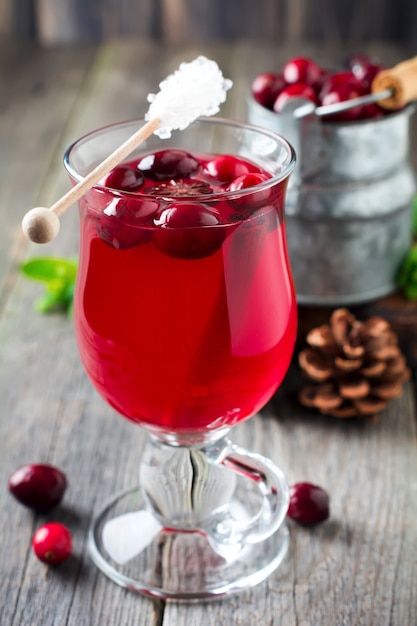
104	167
41	224
402	80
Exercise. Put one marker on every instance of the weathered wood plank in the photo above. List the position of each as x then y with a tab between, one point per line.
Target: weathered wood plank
37	94
196	20
77	20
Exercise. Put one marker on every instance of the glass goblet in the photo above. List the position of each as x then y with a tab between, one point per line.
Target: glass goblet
188	331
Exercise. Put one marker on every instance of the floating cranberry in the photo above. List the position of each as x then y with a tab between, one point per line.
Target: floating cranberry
125	178
124	223
254	199
188	231
166	164
309	504
52	543
265	88
38	486
186	215
226	168
247	180
298	90
302	70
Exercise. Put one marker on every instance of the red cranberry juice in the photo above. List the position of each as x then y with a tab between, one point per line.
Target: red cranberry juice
182	325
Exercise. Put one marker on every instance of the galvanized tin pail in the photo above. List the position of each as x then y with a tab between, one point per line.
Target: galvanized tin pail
349	203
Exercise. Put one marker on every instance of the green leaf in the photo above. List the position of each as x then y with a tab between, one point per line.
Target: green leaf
50	270
410	292
48	302
407	276
414	223
58	276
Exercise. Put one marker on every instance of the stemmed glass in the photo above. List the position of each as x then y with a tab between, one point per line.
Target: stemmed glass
187	332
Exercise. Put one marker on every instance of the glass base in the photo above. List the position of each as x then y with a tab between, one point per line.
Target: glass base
132	548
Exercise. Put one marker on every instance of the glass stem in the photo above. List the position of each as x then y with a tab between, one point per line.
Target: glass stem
231	495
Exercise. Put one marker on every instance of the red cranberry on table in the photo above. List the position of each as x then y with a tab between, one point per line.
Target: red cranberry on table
180	234
169	163
265	88
38	486
298	90
52	543
309	504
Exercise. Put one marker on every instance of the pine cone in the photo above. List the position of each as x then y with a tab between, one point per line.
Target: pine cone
356	367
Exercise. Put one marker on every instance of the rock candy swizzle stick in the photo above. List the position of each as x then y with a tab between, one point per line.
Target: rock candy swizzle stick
195	89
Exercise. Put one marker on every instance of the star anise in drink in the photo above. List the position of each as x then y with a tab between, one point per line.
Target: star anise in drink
180	187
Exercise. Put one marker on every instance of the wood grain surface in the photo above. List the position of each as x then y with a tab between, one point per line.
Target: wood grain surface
278	21
359	568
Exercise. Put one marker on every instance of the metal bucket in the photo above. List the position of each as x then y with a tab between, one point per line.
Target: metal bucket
349	203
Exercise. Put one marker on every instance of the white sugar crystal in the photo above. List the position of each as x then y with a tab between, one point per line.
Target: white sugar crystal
196	88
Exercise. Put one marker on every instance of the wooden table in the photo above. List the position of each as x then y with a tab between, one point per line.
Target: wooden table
360	567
